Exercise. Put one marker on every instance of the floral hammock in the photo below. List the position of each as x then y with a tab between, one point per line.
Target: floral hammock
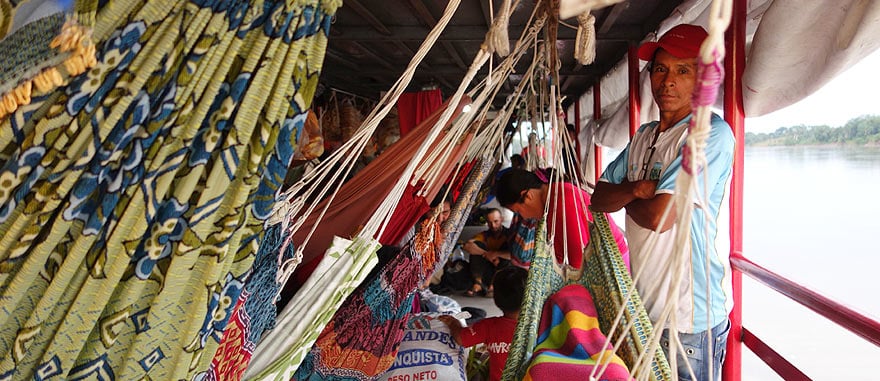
133	196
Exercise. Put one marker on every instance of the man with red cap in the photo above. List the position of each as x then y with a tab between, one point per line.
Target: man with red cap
642	180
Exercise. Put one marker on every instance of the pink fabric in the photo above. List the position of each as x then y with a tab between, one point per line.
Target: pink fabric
413	108
497	334
568	216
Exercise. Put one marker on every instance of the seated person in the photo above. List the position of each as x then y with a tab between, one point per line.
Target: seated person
495	332
488	252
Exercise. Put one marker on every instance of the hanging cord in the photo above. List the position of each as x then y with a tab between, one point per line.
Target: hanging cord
474	121
710	75
585	42
291	206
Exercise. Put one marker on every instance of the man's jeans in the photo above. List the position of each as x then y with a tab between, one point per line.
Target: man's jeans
696	348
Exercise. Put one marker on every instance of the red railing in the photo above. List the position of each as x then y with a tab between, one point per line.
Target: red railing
853	321
843	316
770	357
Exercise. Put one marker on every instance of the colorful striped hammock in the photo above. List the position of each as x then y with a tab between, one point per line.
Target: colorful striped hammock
608	280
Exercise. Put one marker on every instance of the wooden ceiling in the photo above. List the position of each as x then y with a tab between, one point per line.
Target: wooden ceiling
372	41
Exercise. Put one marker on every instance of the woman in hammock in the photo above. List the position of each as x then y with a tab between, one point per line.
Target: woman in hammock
527	193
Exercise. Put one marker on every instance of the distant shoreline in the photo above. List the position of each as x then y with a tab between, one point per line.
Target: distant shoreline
824	145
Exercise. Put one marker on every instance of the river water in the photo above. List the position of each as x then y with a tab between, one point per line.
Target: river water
811	215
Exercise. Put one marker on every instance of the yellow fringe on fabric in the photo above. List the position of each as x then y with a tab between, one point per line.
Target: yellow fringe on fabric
74	38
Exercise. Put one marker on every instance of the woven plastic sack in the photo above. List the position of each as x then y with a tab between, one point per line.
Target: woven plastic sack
427	352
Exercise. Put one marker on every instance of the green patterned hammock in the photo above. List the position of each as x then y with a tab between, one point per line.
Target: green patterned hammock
608	280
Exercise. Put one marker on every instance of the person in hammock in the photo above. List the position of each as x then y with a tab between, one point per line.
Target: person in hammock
642	180
526	194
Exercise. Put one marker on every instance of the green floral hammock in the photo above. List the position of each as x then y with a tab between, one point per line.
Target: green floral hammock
133	196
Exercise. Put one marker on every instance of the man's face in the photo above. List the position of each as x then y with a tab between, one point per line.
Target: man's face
444	213
529	205
672	83
493	221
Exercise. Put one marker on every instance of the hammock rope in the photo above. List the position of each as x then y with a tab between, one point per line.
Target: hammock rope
289	207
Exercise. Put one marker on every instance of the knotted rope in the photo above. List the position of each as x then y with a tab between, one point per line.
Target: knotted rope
585	42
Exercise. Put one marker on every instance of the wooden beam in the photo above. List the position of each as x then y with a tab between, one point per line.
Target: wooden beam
410	53
470	33
609	20
333	55
587	71
454	54
372	55
361	10
424	15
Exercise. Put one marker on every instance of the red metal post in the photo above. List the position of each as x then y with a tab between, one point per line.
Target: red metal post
597	116
734	63
634	105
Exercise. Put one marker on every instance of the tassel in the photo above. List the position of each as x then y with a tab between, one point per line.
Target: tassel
73	38
585	44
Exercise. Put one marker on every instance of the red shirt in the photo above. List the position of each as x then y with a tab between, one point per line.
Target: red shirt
497	334
568	218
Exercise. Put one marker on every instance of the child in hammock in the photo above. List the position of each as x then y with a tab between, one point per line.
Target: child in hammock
495	332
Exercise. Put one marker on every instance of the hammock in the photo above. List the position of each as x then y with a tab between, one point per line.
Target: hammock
361	340
358	198
43	53
613	291
570	344
254	313
546	277
343	268
137	192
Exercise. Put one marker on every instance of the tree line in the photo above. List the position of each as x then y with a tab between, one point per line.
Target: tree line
863	130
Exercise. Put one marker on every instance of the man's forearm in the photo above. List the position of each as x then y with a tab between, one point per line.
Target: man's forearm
471	248
647	213
610	197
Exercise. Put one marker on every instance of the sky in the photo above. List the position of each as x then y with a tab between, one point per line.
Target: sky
840	100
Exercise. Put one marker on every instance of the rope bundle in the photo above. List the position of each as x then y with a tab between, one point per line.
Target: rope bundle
585	42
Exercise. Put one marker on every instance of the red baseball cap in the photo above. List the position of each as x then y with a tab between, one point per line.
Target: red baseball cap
682	41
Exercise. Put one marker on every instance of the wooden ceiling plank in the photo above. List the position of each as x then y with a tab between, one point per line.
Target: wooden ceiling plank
336	56
471	33
410	53
424	15
369	16
374	56
454	54
612	17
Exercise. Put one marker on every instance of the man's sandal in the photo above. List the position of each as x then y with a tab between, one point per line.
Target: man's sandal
476	290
